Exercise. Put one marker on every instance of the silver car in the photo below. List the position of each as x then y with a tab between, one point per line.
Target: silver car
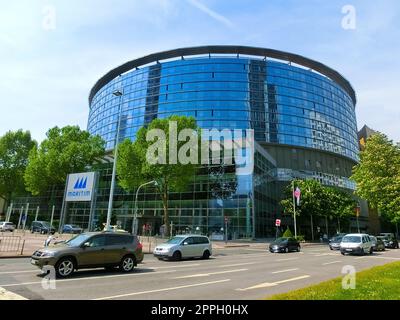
7	226
184	246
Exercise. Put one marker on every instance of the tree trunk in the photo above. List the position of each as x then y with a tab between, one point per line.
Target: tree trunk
327	228
312	228
338	221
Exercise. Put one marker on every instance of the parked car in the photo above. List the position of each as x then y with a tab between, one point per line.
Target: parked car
284	245
91	250
184	246
390	241
358	243
72	228
7	226
334	242
377	243
43	227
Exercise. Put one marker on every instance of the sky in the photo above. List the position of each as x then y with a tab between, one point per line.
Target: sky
52	52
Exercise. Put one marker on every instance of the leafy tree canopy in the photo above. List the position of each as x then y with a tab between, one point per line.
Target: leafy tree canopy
378	175
65	150
14	152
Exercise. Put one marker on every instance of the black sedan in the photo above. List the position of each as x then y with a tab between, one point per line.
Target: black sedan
284	245
390	242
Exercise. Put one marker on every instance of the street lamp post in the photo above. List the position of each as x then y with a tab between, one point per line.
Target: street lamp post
119	94
134	222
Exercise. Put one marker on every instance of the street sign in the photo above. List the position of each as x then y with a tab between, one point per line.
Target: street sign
278	222
80	186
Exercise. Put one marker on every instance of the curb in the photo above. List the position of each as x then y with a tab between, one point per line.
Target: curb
14	257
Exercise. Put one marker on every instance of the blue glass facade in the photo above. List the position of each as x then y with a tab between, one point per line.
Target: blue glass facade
304	124
284	104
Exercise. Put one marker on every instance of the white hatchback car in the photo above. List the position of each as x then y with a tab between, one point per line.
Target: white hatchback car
7	226
184	246
358	243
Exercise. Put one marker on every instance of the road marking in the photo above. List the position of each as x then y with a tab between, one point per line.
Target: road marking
86	278
209	274
264	250
164	289
332	262
236	265
287	270
8	295
272	284
358	258
389	258
175	266
287	259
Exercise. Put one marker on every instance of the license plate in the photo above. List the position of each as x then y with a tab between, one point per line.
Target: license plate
349	249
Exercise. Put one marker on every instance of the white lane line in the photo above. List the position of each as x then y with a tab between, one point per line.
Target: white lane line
272	284
209	274
175	266
287	270
161	290
358	258
332	262
237	264
264	250
86	278
287	259
389	258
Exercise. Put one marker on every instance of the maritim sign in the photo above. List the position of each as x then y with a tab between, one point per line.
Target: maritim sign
80	186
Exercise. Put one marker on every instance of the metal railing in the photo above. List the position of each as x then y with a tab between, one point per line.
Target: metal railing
12	244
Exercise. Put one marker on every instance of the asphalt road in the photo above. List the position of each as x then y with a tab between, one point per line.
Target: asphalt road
235	273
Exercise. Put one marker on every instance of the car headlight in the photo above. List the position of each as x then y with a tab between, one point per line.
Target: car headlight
47	254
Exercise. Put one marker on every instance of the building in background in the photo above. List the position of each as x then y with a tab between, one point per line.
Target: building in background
302	113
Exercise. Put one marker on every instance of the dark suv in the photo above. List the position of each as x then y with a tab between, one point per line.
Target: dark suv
91	250
43	227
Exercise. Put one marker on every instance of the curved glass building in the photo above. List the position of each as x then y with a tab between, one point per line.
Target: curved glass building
302	113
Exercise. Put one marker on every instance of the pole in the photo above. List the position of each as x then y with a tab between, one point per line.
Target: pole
294	212
134	221
63	207
358	225
26	215
226	231
20	216
110	200
9	214
326	226
52	215
37	213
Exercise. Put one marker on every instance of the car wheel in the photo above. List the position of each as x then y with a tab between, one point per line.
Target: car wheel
330	248
41	231
127	263
342	253
177	256
370	251
298	249
286	249
206	254
65	267
362	252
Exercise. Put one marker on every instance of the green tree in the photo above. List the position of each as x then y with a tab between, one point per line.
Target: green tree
378	176
134	167
14	152
287	233
319	201
65	150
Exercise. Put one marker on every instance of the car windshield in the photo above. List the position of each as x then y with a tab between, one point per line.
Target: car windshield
280	240
45	224
8	223
356	239
73	226
337	239
175	240
78	240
